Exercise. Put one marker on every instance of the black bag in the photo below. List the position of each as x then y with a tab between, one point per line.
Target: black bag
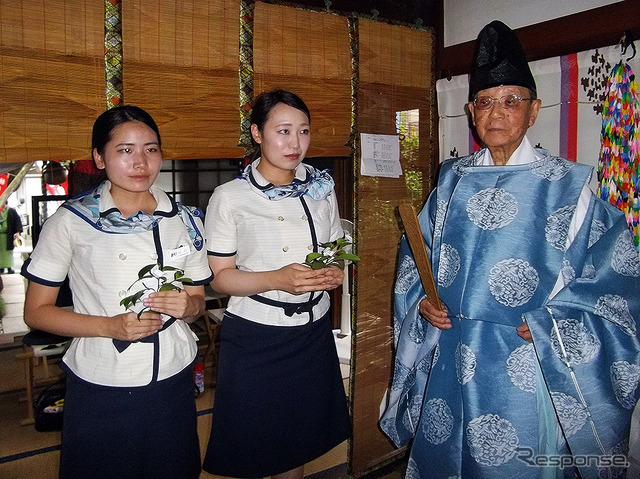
48	408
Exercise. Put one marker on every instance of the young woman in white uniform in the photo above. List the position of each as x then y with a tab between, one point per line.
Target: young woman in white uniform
280	401
129	409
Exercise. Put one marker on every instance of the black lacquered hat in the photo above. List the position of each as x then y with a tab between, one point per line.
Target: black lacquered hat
499	60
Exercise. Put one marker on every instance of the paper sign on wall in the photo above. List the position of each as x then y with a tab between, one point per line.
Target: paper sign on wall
380	155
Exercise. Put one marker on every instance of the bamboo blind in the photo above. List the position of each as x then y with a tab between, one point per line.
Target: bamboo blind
395	75
307	53
51	78
394	55
181	65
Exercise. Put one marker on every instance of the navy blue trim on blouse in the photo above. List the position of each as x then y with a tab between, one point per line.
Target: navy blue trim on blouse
291	308
158	244
168	214
312	227
314	239
307	306
202	282
37	279
88	220
215	253
271	185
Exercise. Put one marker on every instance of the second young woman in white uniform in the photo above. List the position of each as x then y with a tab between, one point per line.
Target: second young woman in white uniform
280	401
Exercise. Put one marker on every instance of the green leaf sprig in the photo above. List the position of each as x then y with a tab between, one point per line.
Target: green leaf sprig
153	278
332	254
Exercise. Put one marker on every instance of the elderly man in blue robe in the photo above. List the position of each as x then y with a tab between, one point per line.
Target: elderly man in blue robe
532	370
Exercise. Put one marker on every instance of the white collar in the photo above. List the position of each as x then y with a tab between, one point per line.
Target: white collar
163	203
525	153
300	173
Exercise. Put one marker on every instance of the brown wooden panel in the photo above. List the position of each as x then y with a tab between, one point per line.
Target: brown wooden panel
196	109
307	53
328	104
394	55
300	43
379	230
180	62
51	78
195	33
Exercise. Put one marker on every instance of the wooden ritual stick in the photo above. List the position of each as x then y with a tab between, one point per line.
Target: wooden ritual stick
416	243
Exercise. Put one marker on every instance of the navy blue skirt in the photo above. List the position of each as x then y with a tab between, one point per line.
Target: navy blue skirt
140	432
279	401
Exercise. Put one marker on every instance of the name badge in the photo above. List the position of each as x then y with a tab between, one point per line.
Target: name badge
179	252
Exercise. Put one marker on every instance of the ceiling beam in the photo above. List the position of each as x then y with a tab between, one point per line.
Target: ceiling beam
582	31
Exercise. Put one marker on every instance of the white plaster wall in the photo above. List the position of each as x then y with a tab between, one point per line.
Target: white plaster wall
463	19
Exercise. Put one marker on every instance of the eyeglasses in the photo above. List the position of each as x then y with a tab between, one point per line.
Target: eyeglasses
508	102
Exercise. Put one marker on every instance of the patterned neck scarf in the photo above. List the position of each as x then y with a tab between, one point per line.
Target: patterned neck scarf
111	220
317	184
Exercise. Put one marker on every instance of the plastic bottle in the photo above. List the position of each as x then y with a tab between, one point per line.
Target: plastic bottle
199	376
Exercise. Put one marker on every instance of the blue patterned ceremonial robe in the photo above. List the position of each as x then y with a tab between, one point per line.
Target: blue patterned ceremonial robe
478	400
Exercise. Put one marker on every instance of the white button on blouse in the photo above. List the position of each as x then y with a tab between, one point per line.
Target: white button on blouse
240	223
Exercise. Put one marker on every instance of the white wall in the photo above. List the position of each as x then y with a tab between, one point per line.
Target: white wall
463	19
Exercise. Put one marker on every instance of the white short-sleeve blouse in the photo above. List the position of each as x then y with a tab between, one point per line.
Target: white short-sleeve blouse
101	266
265	235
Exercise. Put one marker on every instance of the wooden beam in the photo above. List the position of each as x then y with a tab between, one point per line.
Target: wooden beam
596	28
